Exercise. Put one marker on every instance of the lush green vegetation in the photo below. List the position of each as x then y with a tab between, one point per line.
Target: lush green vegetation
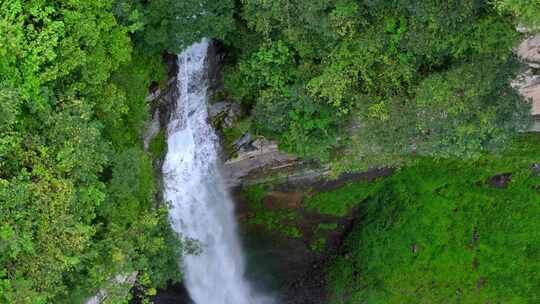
158	145
77	192
437	231
367	82
354	83
340	201
526	11
441	232
173	25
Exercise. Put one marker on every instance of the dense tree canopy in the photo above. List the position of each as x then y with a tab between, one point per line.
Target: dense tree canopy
77	193
169	25
337	65
355	83
526	11
67	225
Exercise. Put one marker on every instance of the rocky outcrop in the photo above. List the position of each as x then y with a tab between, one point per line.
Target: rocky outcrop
255	156
528	83
118	288
247	159
529	51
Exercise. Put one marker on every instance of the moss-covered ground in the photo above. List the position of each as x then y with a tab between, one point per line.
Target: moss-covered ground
448	232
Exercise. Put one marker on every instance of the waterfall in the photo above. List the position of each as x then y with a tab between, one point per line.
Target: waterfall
201	208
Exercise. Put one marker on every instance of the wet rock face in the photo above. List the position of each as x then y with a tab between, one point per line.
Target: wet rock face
295	266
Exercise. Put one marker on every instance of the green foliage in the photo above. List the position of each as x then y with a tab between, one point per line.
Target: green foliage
327	226
357	83
269	80
133	79
77	196
174	25
318	67
394	115
167	25
10	108
340	201
281	221
318	245
467	110
302	23
458	113
158	145
526	11
438	232
255	194
275	221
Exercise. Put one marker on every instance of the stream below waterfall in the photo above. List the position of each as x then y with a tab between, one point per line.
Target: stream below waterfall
201	208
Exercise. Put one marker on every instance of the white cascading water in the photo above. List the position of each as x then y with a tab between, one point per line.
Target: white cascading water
201	207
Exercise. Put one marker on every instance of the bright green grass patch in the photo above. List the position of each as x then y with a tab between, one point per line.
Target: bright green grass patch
437	232
158	145
339	201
